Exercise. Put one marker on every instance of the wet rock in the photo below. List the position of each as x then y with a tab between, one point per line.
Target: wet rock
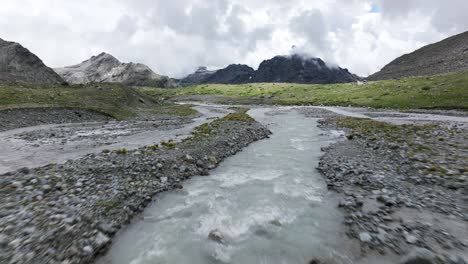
419	256
216	236
275	222
24	170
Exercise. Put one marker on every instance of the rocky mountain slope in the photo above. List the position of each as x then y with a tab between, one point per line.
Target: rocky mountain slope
232	74
19	64
105	68
446	56
198	77
297	69
284	69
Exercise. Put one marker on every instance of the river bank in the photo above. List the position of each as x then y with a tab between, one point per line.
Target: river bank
68	213
404	187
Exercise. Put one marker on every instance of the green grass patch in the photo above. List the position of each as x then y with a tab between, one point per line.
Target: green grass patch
239	116
108	204
115	100
169	144
431	92
121	151
210	129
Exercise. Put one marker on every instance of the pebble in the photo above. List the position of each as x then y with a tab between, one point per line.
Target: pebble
88	250
365	237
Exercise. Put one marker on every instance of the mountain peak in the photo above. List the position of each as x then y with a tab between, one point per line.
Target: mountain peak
106	68
19	64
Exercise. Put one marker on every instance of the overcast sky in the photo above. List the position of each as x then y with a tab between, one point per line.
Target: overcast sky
174	37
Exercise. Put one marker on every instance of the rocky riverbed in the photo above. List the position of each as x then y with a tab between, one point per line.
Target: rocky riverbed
404	188
68	213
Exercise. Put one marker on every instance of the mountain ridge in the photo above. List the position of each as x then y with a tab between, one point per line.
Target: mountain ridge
106	68
281	68
17	63
446	56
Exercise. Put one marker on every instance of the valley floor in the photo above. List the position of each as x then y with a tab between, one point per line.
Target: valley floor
401	176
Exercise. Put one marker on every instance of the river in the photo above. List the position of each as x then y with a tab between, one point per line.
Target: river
268	204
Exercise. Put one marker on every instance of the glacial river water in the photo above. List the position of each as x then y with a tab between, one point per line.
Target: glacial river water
268	203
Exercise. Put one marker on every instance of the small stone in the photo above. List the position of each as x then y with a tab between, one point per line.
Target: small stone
24	170
88	250
69	220
101	240
365	237
216	236
17	184
275	222
106	228
411	239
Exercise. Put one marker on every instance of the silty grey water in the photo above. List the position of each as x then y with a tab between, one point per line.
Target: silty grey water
17	153
268	202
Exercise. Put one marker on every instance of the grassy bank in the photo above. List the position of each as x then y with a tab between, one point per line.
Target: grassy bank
116	100
435	92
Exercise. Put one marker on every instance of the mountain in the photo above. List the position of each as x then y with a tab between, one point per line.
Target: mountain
298	69
106	68
446	56
19	64
286	69
232	74
198	77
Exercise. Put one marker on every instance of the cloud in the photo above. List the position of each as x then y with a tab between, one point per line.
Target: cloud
175	37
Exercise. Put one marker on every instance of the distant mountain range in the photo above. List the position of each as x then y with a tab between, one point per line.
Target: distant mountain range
285	69
446	56
106	68
19	64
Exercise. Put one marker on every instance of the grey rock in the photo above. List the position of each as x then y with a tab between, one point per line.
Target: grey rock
411	239
365	237
101	240
216	236
106	228
419	256
88	250
24	170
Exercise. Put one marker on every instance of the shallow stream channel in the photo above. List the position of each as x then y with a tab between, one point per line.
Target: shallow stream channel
267	204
